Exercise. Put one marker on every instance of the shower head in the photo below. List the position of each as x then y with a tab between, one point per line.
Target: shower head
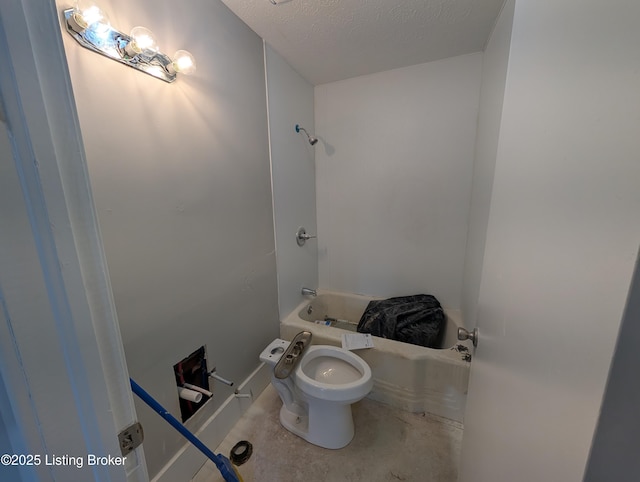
312	140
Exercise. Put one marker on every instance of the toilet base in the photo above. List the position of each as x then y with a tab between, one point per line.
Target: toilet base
328	424
294	423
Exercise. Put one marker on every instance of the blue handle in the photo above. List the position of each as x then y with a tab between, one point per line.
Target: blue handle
222	463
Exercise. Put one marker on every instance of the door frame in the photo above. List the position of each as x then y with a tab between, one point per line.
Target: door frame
63	373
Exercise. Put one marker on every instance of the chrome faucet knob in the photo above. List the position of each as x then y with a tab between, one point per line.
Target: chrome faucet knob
468	335
302	236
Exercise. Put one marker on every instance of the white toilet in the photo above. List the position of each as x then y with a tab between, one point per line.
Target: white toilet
317	396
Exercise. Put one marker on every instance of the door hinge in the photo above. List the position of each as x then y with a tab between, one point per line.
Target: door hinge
130	438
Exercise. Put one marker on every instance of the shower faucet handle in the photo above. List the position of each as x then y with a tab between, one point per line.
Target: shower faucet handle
302	236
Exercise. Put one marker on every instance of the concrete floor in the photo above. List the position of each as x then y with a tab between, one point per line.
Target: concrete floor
389	445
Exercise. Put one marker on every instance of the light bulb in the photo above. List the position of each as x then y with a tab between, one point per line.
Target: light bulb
184	62
87	14
141	39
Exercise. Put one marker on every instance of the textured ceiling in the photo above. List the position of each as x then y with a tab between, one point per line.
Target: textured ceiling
329	40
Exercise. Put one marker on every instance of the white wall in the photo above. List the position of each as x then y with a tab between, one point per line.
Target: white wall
294	182
494	75
394	167
181	178
561	243
12	435
62	352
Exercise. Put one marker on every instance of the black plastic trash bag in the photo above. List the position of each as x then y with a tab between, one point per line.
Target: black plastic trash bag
417	319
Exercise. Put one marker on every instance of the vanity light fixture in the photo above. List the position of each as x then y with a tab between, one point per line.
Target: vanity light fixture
90	26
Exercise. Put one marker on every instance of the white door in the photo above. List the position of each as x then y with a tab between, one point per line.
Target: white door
562	240
64	388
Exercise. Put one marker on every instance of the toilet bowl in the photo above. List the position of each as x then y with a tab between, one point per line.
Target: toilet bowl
317	396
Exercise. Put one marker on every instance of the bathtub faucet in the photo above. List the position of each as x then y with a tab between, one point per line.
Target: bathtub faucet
308	292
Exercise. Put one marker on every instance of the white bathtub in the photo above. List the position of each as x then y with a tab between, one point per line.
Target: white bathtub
410	377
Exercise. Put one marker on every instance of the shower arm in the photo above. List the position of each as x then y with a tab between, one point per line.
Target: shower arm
312	139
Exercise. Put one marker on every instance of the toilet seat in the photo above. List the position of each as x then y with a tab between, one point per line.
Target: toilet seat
351	382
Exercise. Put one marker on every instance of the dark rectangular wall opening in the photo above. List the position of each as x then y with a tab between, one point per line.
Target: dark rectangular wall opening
192	370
